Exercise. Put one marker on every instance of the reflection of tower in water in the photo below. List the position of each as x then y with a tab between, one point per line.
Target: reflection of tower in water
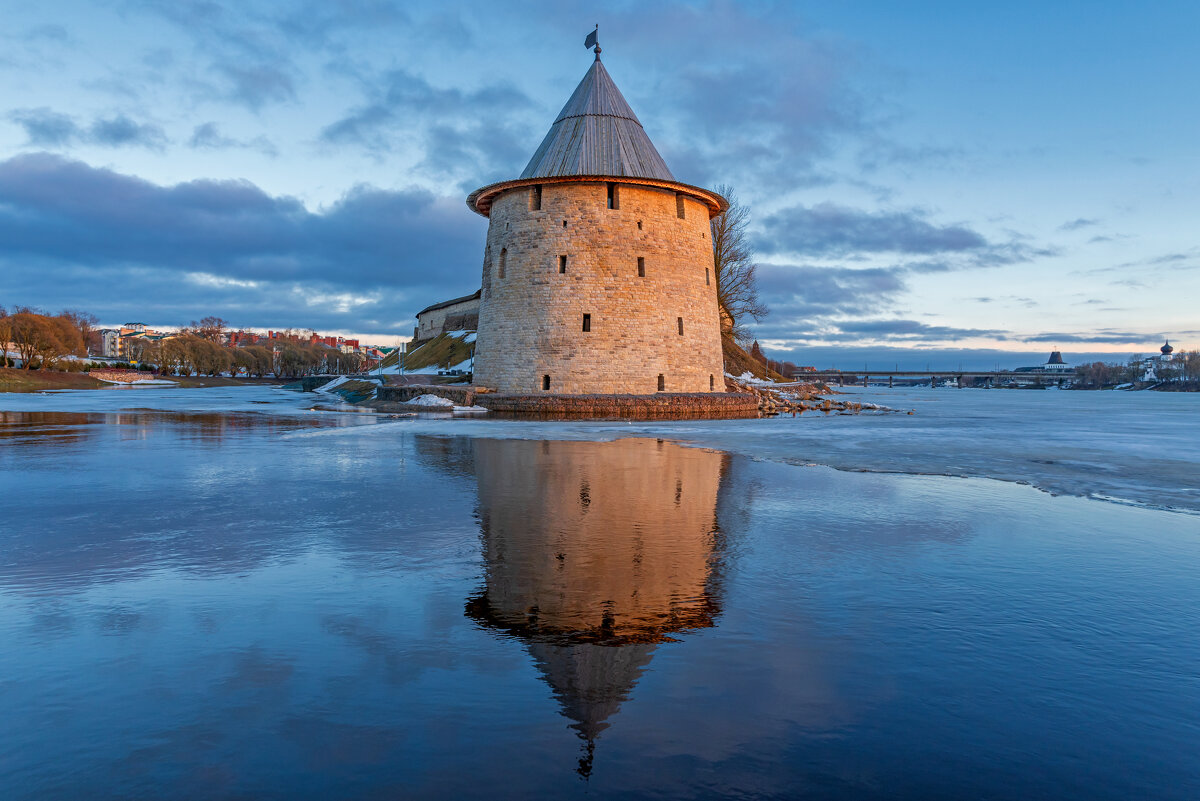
596	552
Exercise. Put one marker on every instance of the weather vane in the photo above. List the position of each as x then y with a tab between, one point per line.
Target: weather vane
593	40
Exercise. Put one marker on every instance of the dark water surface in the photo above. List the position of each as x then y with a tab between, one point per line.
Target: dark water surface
196	604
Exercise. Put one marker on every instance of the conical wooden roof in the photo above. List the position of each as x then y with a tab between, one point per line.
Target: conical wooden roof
597	133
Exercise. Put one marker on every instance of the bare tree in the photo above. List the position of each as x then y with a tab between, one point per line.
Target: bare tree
5	335
210	328
85	322
42	340
733	266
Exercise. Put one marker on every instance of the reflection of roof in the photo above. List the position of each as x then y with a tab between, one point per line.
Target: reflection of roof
591	681
597	133
454	302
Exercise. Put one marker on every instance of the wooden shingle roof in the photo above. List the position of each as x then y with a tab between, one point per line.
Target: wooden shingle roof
597	133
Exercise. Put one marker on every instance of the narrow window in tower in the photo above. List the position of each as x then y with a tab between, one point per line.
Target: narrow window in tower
587	323
545	383
711	382
639	225
535	197
641	266
679	320
562	264
679	205
503	261
707	277
662	382
614	196
564	223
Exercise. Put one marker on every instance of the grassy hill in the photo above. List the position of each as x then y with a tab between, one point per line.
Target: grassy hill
445	350
738	361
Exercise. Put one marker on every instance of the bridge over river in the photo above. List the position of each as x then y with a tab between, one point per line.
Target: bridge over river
990	378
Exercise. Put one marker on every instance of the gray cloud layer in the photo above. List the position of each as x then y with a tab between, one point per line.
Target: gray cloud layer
208	241
828	229
45	127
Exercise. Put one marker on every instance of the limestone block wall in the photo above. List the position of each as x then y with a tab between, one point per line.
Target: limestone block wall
531	316
437	321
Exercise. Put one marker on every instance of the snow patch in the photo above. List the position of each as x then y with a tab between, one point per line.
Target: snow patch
430	400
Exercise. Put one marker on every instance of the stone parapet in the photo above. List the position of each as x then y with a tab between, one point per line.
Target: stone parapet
662	406
462	396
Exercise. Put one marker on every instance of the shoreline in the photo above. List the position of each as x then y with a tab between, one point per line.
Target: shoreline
928	442
16	380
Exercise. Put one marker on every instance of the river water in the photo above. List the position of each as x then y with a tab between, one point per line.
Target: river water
221	593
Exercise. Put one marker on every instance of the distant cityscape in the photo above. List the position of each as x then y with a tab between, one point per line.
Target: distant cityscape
128	342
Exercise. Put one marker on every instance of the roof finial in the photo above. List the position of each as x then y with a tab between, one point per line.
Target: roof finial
593	39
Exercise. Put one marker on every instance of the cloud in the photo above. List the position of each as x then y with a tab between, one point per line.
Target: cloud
914	330
1076	224
208	136
120	131
828	229
56	33
1107	337
97	236
247	59
47	128
807	291
477	134
317	23
256	85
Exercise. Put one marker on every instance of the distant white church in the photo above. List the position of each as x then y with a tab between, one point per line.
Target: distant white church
1153	364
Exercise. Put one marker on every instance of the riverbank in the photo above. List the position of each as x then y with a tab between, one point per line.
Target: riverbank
15	380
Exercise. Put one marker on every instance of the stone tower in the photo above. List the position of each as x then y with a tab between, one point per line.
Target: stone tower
598	270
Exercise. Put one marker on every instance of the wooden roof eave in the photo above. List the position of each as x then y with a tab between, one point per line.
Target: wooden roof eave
480	201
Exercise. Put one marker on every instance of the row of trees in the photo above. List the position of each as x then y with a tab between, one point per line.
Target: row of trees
45	341
1185	367
41	340
193	354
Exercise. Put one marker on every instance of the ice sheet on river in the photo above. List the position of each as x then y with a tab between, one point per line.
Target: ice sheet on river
1139	448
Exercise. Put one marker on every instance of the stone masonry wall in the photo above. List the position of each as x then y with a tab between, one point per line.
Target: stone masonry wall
531	318
432	323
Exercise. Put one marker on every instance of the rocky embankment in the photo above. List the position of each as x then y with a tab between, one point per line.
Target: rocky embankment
122	376
775	399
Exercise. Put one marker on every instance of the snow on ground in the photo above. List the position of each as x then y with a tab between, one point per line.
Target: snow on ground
142	382
332	385
395	370
429	400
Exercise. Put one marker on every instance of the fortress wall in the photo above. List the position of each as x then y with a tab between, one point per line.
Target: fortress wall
432	323
531	319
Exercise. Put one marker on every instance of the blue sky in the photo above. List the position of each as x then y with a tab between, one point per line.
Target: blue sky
924	178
